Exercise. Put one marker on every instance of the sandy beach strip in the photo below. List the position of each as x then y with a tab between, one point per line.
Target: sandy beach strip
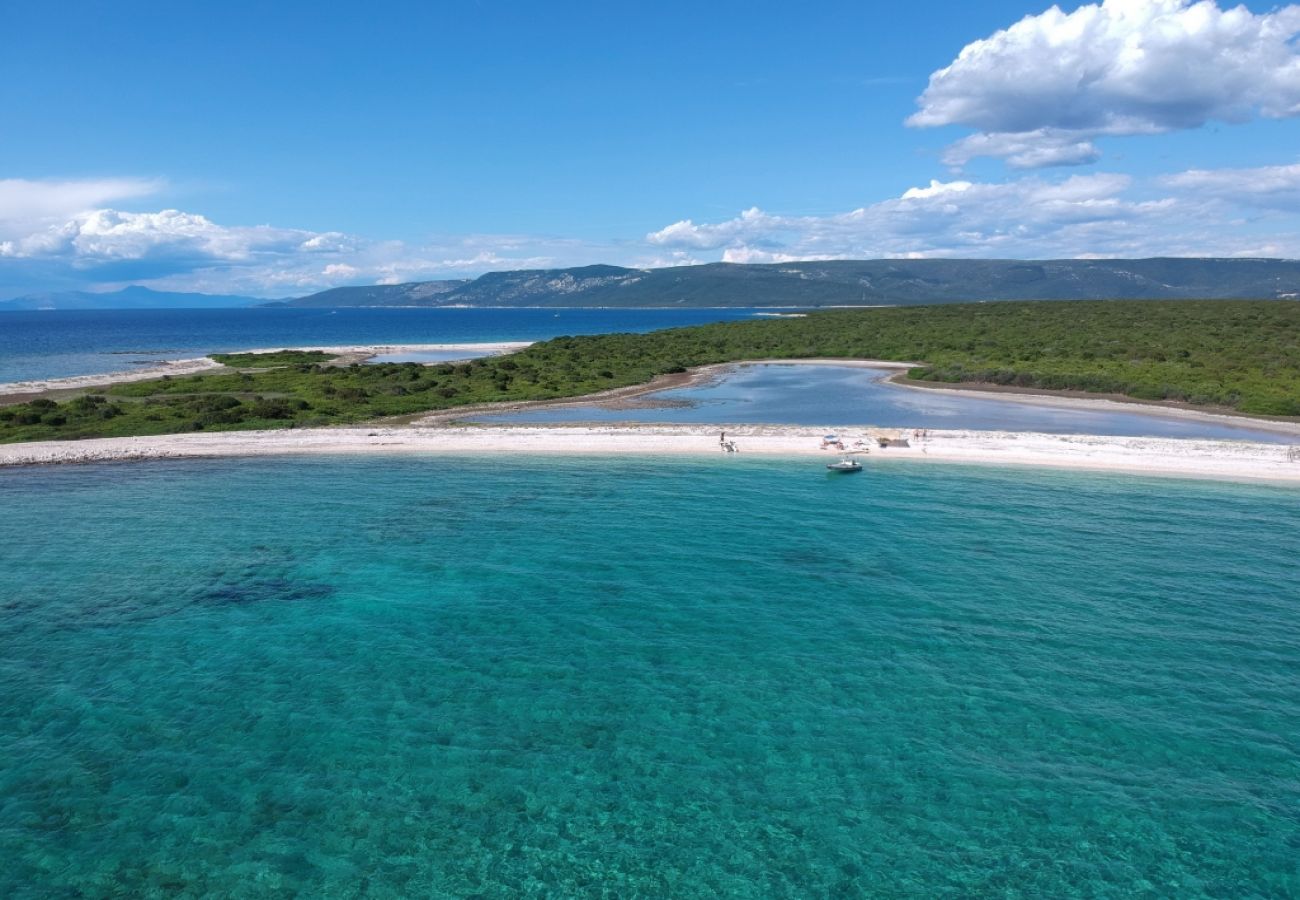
177	367
1219	460
1075	400
1105	403
172	368
366	351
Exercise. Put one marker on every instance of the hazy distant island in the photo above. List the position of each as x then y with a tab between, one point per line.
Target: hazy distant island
134	297
878	282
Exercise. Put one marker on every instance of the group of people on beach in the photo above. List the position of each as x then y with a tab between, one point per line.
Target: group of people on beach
725	445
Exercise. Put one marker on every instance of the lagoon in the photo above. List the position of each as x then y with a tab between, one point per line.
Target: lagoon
853	396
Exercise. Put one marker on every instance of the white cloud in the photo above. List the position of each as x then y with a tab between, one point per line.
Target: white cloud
107	235
1093	215
937	189
710	237
667	261
54	228
27	206
1265	187
754	256
1035	149
1039	91
329	242
297	268
1225	212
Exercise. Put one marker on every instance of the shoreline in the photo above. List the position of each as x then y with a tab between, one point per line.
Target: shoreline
18	391
618	398
1232	461
1065	399
57	388
1102	403
446	432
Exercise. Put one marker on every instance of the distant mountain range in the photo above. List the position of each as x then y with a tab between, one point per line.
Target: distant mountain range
834	283
413	293
127	298
841	283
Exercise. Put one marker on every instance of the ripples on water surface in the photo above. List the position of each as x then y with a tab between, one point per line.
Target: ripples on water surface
443	677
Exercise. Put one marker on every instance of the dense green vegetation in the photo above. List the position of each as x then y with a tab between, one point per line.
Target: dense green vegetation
266	360
1244	355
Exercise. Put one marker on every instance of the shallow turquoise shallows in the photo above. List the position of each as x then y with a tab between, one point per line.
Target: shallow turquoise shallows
671	678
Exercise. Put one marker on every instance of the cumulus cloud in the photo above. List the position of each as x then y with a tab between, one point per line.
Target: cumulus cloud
294	265
755	256
52	234
27	206
1039	91
107	235
937	189
1092	215
1265	187
686	234
1035	149
329	242
1199	212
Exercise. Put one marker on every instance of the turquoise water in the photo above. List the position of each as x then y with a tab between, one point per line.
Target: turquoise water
846	396
732	677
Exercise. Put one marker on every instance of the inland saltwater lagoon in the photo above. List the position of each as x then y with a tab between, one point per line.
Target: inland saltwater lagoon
626	676
829	395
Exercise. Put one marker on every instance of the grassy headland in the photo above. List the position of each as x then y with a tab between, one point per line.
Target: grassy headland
1239	355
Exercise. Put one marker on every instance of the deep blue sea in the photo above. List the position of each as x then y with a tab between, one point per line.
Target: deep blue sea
55	344
449	677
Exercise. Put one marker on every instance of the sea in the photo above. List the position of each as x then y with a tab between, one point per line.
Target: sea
644	677
62	343
634	676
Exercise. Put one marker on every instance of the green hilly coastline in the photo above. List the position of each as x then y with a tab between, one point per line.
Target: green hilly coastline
841	283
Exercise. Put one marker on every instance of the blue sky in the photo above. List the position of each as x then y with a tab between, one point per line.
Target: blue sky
276	149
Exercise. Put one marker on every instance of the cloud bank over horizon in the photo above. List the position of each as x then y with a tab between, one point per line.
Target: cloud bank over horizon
1194	213
1198	212
54	231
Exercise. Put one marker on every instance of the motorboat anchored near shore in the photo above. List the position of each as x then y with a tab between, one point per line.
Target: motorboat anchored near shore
847	465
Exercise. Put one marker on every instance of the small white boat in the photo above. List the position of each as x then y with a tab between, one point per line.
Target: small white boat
845	465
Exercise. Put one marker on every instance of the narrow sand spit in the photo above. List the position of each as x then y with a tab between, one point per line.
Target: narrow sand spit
359	352
1106	403
175	367
1221	460
171	367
